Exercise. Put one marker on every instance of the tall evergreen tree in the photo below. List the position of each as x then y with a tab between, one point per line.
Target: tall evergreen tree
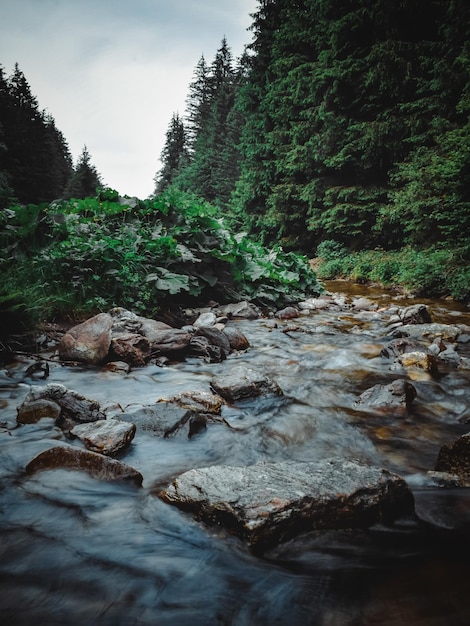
174	156
85	180
338	94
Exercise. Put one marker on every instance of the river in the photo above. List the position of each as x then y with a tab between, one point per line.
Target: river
76	550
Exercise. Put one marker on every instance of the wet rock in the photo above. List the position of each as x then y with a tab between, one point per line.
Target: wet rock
118	367
162	419
364	304
268	503
32	412
216	337
88	342
169	341
324	302
288	313
236	338
455	458
241	383
97	465
207	318
429	332
242	310
74	408
105	436
131	348
198	401
400	346
202	346
420	360
397	395
415	314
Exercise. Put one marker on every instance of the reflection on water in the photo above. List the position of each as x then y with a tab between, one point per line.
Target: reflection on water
75	550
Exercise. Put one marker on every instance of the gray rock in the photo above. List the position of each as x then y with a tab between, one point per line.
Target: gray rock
208	318
288	313
455	458
32	412
99	466
74	408
397	395
163	419
242	310
168	341
88	342
131	348
241	383
268	503
402	345
105	436
429	332
237	339
216	337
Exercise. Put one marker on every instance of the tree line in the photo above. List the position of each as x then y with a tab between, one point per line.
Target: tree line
344	120
35	161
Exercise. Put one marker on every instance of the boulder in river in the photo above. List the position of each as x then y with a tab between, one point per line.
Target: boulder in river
237	339
242	383
268	503
397	395
455	458
241	310
429	332
131	348
88	342
31	412
105	436
74	408
99	466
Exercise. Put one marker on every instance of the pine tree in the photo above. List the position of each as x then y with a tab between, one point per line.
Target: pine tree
85	180
174	156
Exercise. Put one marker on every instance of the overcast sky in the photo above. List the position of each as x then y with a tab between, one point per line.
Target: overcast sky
112	72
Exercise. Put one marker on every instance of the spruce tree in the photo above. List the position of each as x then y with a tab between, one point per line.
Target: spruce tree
174	156
85	180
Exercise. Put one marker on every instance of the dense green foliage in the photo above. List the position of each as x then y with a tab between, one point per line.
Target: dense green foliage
350	122
91	254
434	272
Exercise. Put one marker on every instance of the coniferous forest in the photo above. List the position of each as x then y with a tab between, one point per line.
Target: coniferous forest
342	134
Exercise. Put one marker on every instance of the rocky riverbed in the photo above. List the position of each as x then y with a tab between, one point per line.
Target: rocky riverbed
241	468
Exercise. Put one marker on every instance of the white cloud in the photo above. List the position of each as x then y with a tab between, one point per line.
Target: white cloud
112	72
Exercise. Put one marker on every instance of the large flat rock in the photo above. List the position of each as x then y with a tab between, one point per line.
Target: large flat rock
268	503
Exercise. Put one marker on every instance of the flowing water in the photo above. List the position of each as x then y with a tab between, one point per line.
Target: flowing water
75	550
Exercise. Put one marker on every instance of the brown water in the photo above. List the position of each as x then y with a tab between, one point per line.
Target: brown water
75	550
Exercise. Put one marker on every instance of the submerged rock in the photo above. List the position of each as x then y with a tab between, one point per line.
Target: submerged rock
99	466
398	394
105	436
268	503
241	383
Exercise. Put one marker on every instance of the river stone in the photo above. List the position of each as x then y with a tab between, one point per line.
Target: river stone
243	310
74	408
268	503
168	341
429	332
105	436
402	345
236	338
88	342
288	313
99	466
216	337
208	318
163	419
198	401
397	395
32	412
455	458
131	348
421	360
241	383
